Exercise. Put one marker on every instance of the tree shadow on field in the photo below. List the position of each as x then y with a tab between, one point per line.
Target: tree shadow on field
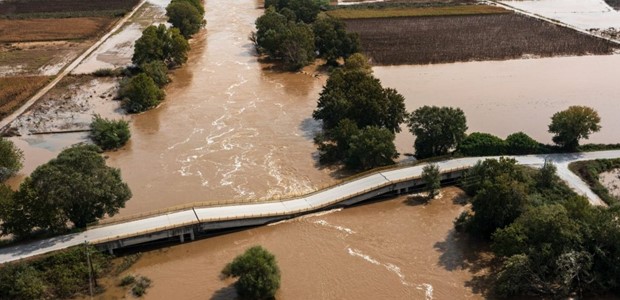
225	293
462	252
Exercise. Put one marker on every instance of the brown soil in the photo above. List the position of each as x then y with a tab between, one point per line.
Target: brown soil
14	91
14	7
69	106
52	29
614	3
611	181
424	40
37	58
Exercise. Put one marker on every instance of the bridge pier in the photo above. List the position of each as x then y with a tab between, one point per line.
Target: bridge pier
191	234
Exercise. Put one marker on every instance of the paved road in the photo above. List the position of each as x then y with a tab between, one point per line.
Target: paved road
306	203
10	118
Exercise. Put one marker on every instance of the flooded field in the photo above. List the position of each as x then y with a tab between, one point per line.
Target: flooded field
386	250
516	95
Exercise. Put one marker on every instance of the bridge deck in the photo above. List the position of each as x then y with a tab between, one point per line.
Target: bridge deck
291	207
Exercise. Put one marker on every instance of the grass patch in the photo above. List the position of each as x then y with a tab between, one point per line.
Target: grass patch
15	91
394	12
589	172
447	39
52	29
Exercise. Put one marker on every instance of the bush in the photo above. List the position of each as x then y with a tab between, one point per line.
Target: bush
140	93
158	71
127	280
109	134
482	144
520	143
258	272
141	285
161	43
11	159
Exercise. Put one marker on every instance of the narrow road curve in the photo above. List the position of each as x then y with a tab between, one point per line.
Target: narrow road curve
10	118
305	204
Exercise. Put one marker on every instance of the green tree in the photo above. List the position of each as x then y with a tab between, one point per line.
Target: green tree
297	47
497	204
258	272
334	144
161	43
487	171
186	17
109	134
196	3
361	98
11	159
520	143
482	144
158	71
357	62
432	180
76	186
437	129
332	39
140	93
573	124
371	147
270	32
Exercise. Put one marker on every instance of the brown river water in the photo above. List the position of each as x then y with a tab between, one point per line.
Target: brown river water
394	249
232	127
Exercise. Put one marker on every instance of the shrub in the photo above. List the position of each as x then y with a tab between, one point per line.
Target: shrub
482	144
109	134
161	43
258	272
141	285
158	71
520	143
140	93
127	280
11	159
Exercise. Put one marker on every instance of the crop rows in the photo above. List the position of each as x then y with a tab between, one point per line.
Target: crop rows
63	8
426	40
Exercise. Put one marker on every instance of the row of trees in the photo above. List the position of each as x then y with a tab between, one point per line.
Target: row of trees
74	188
550	241
159	49
295	31
360	118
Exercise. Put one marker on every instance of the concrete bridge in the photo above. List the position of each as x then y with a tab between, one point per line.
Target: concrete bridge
187	222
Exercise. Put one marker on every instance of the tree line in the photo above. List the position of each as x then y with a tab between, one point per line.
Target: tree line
296	32
360	118
549	241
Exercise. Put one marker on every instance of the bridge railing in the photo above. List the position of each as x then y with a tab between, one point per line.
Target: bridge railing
205	204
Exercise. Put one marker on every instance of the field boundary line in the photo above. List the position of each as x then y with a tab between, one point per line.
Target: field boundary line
4	124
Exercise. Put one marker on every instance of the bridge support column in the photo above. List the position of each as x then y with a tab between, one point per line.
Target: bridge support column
110	250
191	234
182	237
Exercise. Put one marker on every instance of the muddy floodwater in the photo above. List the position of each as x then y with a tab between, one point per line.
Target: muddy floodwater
516	95
393	249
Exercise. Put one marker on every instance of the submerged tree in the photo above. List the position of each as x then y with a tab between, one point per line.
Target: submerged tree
11	159
140	93
109	134
258	272
161	43
186	17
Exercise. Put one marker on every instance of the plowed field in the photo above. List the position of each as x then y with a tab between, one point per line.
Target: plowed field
445	39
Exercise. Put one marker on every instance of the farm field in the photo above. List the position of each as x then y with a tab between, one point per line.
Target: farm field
614	3
31	30
446	39
64	8
390	12
16	90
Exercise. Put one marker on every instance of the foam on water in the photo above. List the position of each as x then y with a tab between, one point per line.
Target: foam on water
339	228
